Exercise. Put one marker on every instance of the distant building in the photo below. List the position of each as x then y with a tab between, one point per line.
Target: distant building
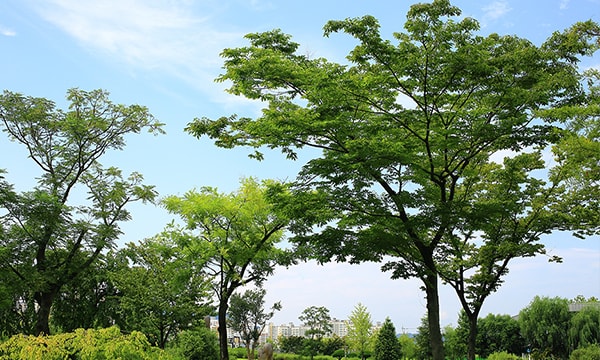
575	307
273	332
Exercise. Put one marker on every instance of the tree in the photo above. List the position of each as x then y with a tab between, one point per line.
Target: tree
544	325
248	317
332	344
408	348
92	301
422	340
233	237
54	232
291	344
498	333
318	322
359	330
409	135
454	344
161	291
584	328
387	346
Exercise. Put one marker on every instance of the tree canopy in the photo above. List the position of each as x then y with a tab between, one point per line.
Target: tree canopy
52	233
431	146
233	238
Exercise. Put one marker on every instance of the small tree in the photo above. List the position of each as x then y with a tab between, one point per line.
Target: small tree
248	317
161	291
360	330
408	347
318	321
234	238
387	346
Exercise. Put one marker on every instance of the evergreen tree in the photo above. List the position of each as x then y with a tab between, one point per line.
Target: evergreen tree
387	346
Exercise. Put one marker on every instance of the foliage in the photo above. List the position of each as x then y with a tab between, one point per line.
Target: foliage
503	356
333	343
590	352
82	344
410	134
386	345
247	316
584	327
291	344
54	232
454	345
408	347
232	238
544	325
197	344
422	341
317	320
497	333
359	330
161	291
92	301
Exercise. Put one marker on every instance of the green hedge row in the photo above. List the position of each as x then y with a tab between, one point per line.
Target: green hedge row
82	344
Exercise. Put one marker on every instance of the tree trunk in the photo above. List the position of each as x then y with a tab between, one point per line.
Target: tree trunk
223	345
433	316
44	301
471	341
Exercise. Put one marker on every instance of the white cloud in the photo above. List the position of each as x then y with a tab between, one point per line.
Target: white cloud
156	35
495	10
564	4
7	32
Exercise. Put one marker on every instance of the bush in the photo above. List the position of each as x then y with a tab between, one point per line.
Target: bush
591	352
201	344
82	344
503	356
239	353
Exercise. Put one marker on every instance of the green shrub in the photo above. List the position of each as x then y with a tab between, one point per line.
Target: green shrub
503	356
82	344
200	344
239	353
591	352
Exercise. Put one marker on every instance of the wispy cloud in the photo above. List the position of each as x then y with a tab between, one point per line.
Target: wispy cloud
157	35
495	10
564	4
7	32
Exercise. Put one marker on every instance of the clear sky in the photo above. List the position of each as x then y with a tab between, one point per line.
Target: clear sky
164	54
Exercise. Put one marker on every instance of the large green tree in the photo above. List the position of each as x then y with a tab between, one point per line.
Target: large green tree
360	332
247	315
55	231
410	135
161	293
234	237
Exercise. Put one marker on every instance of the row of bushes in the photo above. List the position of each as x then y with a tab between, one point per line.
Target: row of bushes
109	343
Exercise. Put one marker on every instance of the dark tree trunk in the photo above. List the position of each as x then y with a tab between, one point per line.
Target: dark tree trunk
471	341
44	300
433	316
223	345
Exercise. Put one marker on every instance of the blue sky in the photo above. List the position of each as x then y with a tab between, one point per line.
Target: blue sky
164	54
